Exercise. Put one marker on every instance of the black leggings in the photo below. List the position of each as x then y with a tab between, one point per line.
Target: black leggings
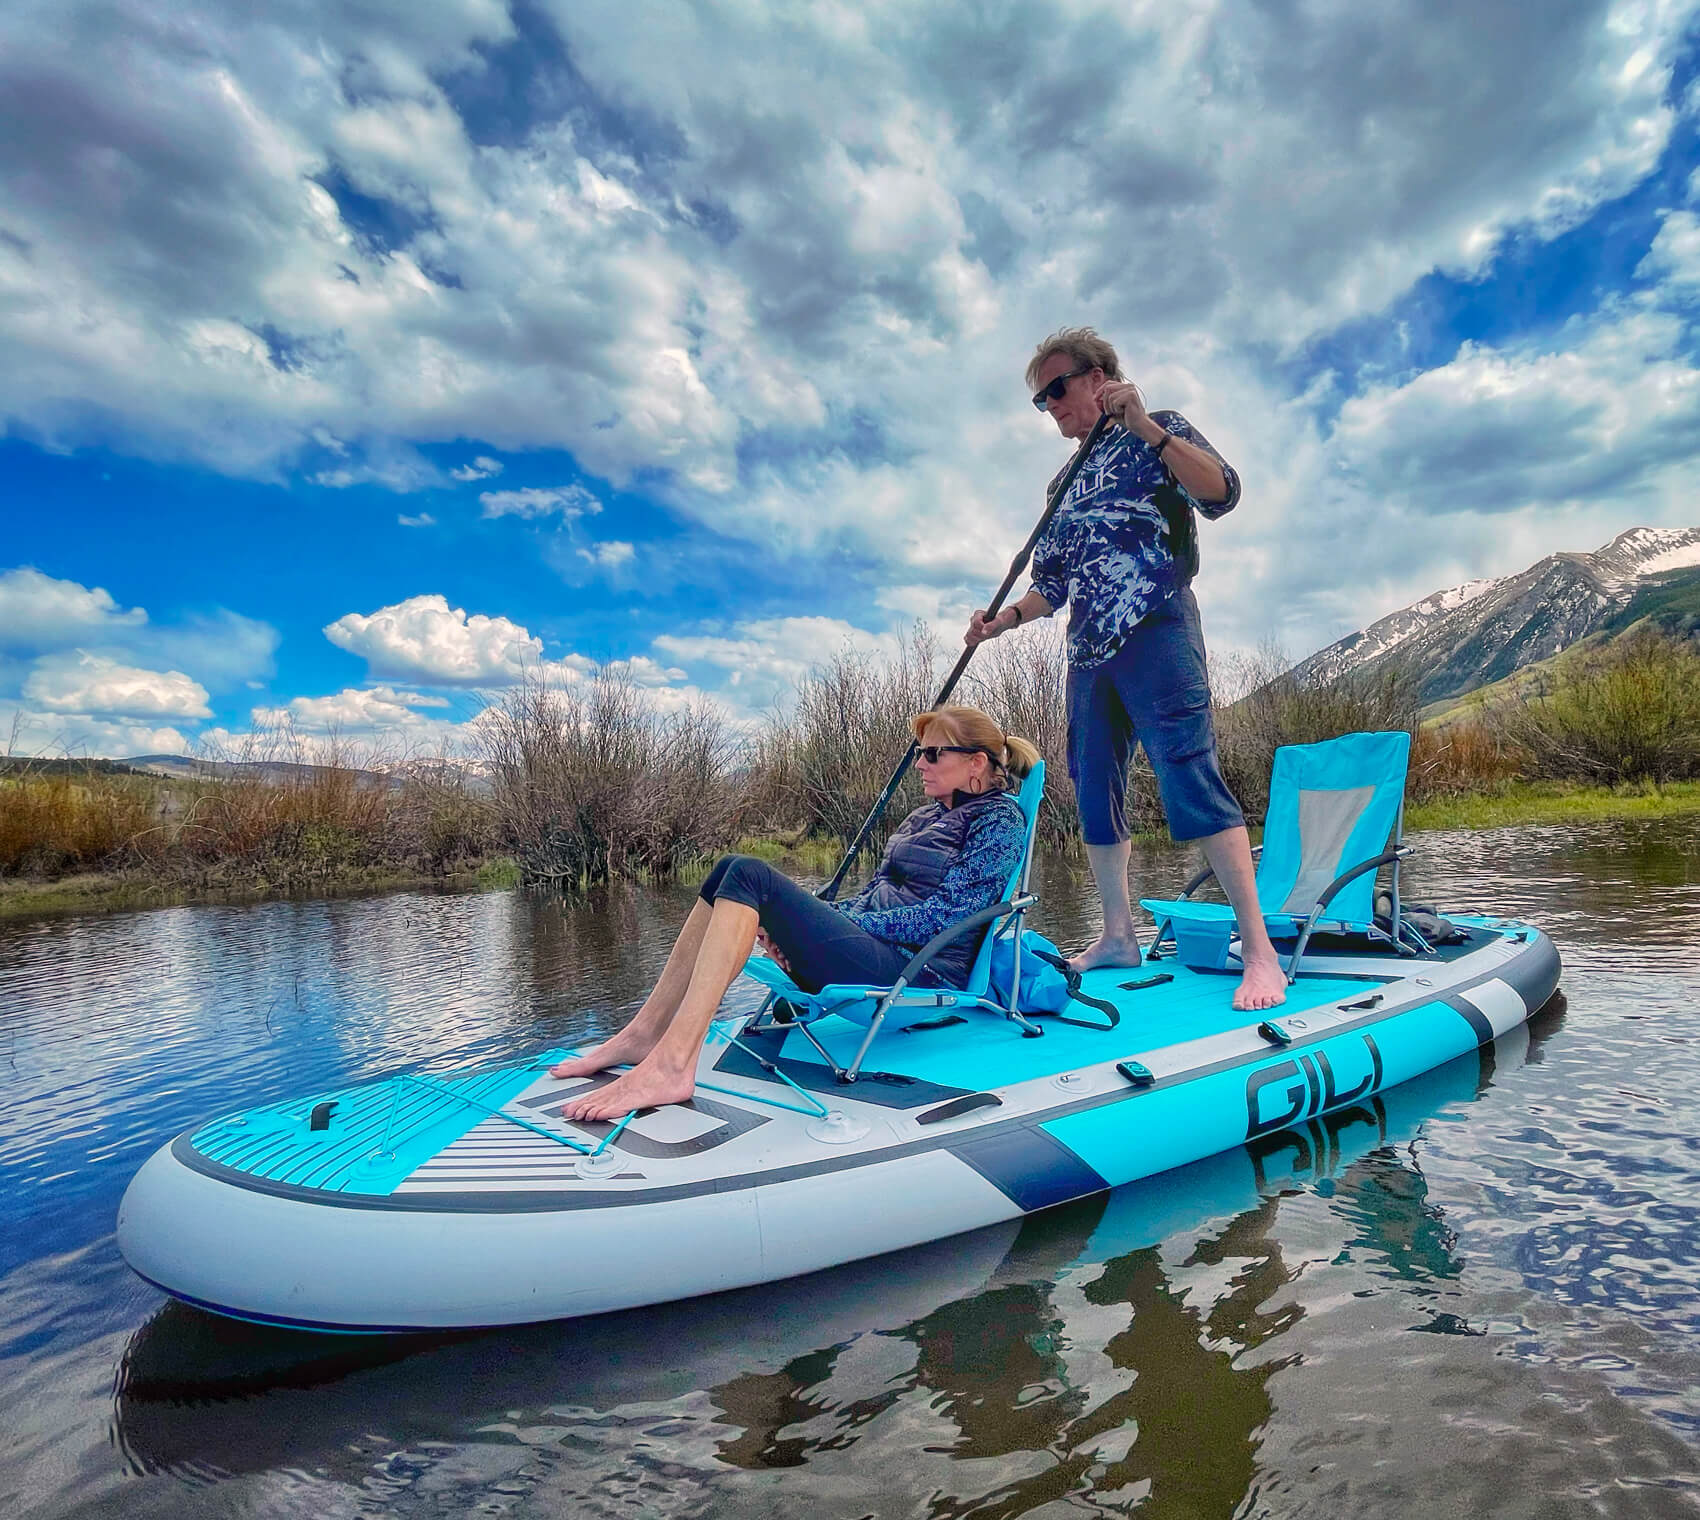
822	946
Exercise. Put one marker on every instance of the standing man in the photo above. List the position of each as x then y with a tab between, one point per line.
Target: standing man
1120	550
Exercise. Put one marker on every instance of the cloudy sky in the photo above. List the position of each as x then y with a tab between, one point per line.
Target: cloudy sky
360	357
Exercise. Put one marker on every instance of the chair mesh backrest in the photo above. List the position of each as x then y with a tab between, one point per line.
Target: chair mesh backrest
1331	806
1032	789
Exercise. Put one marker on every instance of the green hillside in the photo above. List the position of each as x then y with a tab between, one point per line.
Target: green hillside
1670	603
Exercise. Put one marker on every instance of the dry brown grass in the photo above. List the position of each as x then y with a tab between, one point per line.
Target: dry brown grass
1463	757
51	824
274	821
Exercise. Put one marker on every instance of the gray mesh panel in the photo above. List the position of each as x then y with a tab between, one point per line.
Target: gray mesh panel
1326	821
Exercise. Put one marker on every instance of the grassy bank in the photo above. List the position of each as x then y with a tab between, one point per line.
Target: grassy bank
118	892
1553	802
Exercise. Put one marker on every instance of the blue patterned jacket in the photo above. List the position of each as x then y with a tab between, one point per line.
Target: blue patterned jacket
1108	550
940	865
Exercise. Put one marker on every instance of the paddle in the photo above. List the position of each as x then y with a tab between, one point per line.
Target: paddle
1016	566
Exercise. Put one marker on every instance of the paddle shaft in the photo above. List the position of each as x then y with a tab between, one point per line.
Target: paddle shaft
1016	566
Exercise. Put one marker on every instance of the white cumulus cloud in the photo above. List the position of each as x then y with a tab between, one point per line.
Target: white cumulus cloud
424	639
27	732
39	612
357	710
79	682
765	658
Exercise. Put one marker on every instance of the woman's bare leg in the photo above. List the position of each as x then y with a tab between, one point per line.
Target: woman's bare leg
650	1022
667	1074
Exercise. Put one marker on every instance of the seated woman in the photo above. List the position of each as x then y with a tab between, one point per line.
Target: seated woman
951	857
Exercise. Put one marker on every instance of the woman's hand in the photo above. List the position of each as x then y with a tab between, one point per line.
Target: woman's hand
772	951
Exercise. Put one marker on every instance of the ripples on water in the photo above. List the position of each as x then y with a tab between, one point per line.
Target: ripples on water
1486	1301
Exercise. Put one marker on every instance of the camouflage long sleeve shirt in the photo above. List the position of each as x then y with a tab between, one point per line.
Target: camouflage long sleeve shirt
1107	551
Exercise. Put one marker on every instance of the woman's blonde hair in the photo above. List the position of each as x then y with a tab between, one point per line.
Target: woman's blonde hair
1012	757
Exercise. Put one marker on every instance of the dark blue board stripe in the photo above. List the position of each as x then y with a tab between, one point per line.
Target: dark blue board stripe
1473	1016
1033	1168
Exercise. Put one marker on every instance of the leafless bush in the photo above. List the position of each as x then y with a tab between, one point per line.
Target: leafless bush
1023	683
851	726
1270	706
1460	757
278	813
592	781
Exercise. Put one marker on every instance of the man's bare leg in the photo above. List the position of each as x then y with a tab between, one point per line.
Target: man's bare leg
667	1074
1118	944
1264	984
650	1022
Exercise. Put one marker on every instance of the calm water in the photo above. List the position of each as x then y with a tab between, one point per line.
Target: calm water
1489	1305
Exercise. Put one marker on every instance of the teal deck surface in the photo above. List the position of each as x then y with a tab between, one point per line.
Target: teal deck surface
988	1051
378	1134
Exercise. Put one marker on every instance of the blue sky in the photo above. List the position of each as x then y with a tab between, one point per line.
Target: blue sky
363	358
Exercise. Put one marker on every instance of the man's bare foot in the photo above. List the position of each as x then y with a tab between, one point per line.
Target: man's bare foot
644	1086
1264	985
622	1049
1108	950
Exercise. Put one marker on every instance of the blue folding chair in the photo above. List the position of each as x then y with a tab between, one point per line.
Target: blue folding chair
901	1004
1336	817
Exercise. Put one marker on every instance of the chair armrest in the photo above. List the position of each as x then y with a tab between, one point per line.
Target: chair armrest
944	937
770	974
1387	858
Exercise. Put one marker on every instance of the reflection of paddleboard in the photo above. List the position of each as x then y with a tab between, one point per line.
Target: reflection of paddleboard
463	1199
198	1393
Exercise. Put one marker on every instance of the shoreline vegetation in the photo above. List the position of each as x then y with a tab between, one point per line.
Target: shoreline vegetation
580	782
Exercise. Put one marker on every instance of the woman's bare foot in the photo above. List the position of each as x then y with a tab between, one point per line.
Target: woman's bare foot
646	1085
1108	950
626	1048
1264	985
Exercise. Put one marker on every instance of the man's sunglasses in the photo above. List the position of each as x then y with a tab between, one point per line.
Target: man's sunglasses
931	752
1054	391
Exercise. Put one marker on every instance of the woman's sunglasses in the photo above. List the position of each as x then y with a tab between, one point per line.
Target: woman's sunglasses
1054	391
931	752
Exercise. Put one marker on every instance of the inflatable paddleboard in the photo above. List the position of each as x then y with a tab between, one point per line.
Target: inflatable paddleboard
464	1199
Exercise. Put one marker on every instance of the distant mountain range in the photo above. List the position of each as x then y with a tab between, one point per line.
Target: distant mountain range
1483	631
187	769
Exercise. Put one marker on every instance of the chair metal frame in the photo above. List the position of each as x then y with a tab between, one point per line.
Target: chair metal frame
1403	938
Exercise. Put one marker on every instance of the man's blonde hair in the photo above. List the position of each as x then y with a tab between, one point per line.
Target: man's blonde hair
1084	348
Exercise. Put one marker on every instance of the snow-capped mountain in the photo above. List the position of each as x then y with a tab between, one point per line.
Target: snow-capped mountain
1484	630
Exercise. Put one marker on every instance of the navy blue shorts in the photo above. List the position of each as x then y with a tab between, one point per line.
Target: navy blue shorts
1155	691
